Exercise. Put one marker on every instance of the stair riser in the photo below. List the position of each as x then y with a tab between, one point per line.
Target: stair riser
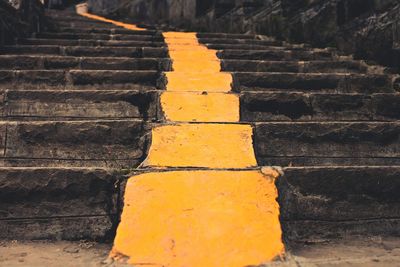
349	83
274	55
227	36
90	43
293	66
256	47
12	79
222	41
108	31
321	203
79	105
97	37
32	63
114	144
82	51
316	143
259	107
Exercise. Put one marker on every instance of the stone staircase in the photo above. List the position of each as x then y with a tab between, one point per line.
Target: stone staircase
78	104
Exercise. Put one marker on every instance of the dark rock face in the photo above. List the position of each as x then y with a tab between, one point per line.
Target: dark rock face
58	203
316	202
25	18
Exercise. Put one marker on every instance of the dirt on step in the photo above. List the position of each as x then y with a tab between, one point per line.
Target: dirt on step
352	252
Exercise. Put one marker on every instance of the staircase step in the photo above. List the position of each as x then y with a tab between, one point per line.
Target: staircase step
231	36
321	203
84	63
114	144
222	41
58	203
13	78
277	46
93	43
79	105
82	24
274	54
351	83
109	31
263	107
87	51
99	36
327	143
339	66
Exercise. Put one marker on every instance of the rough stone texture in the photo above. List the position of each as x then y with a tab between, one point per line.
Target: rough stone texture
368	28
26	18
78	105
331	202
119	144
329	82
263	106
41	203
325	143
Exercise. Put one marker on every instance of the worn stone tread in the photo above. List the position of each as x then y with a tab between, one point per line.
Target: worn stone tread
319	202
287	106
83	143
79	105
133	52
29	62
339	82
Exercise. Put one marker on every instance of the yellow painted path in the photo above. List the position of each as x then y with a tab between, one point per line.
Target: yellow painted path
205	202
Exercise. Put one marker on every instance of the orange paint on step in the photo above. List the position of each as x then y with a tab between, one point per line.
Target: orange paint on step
196	68
200	219
192	107
202	145
82	10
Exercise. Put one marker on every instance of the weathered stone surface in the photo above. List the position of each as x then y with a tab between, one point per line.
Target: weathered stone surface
330	202
276	54
363	83
278	143
367	28
28	193
261	106
97	143
293	66
59	105
150	78
99	228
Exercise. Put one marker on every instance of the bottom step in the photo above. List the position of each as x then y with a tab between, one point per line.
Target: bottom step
316	203
58	203
326	203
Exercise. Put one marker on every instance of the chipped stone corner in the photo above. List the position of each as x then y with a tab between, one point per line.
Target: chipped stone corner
272	172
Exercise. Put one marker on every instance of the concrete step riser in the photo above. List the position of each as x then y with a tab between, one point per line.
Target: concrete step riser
275	55
90	43
97	30
293	66
79	105
71	204
259	107
86	51
336	202
333	144
226	41
343	83
35	63
11	79
111	144
97	37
